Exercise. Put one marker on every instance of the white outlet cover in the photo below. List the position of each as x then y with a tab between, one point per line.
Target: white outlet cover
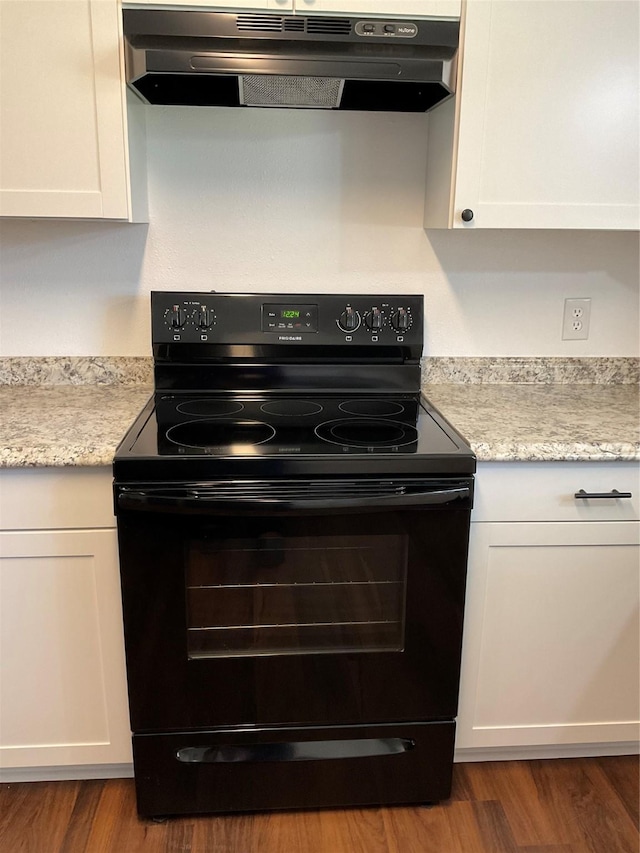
575	320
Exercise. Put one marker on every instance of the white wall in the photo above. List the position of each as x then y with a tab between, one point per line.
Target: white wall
262	200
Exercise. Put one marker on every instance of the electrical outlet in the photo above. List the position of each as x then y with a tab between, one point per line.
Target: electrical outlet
575	320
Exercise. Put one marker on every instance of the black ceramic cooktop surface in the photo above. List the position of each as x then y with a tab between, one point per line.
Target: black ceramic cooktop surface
259	426
302	429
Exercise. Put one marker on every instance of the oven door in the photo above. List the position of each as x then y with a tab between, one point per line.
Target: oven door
293	602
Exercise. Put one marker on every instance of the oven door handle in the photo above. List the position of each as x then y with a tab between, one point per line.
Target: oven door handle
203	500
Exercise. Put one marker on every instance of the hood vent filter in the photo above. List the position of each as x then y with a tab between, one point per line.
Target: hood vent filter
258	90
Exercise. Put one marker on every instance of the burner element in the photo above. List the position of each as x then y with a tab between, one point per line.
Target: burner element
214	436
371	408
291	407
210	408
367	432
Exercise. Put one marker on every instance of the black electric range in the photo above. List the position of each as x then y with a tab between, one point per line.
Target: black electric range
293	521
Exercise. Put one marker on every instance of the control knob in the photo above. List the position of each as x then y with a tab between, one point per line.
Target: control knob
349	320
373	320
401	320
204	317
177	317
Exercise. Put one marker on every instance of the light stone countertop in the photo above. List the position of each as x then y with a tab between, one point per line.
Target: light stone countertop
75	411
62	425
518	422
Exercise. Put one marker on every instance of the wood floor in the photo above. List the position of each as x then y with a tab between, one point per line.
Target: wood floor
560	806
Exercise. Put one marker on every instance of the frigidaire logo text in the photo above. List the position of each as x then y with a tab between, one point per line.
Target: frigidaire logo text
289	338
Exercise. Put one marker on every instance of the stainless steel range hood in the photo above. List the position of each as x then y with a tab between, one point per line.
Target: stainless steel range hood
269	60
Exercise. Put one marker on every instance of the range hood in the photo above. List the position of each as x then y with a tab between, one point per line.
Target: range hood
269	60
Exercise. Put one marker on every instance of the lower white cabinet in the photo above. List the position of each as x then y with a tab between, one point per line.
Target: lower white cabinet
63	697
552	636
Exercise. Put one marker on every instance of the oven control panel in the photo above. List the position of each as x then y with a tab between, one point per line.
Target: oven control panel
287	319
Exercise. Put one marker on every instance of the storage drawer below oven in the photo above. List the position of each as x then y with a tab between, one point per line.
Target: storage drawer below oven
287	768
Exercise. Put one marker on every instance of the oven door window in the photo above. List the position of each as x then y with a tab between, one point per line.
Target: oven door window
279	594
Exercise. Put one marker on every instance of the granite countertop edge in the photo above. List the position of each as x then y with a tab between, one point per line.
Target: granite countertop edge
64	457
75	456
556	452
591	408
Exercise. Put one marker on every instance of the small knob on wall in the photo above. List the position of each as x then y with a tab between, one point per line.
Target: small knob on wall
466	215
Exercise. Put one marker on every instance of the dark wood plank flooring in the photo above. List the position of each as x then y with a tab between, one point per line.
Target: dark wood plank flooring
586	805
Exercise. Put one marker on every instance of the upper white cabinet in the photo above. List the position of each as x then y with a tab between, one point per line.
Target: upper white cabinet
385	8
544	131
63	123
220	5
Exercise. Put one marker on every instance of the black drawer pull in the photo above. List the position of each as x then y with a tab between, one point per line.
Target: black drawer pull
614	493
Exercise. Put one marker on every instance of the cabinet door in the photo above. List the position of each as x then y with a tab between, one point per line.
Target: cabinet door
386	8
548	117
63	697
551	648
221	5
62	122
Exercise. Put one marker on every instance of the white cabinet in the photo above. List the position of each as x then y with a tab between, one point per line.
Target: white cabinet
63	699
544	130
551	648
64	146
383	8
218	5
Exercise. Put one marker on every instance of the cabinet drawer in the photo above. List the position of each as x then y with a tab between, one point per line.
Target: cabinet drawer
56	498
545	491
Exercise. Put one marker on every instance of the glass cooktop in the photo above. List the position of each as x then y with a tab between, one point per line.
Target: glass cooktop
236	426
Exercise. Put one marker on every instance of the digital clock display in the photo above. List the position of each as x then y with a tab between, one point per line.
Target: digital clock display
289	318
